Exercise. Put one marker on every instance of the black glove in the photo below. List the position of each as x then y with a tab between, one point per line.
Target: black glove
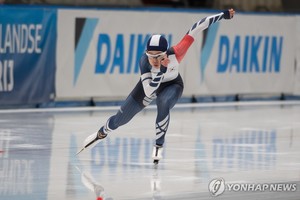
226	14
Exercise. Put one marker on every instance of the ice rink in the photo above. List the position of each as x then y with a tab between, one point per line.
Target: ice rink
254	143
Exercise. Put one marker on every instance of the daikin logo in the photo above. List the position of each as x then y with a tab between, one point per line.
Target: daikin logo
242	54
84	30
250	54
120	53
115	53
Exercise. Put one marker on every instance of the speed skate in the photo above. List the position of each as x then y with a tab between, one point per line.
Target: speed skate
157	154
92	140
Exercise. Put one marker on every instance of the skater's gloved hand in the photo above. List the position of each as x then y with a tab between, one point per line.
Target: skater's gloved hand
228	14
164	63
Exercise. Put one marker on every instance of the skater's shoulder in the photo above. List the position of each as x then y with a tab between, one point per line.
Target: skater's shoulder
144	59
144	64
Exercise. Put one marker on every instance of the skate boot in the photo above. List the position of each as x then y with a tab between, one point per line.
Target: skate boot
157	153
92	140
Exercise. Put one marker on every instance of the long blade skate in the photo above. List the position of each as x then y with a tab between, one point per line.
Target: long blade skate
92	140
155	162
157	154
86	146
80	150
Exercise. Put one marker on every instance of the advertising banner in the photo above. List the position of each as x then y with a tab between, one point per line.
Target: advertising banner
248	55
98	52
297	68
27	55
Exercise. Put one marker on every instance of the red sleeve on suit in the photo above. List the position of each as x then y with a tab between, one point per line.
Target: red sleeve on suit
181	48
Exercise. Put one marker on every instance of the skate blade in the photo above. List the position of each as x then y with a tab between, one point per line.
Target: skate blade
90	145
155	162
80	151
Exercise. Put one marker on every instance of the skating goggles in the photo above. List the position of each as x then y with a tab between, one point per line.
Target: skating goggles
159	56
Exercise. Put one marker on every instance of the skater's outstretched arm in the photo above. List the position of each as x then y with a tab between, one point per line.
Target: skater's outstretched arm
150	80
181	48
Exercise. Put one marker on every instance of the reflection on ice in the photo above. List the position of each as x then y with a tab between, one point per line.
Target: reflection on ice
90	183
245	150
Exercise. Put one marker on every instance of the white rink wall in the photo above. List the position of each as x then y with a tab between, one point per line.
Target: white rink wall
54	56
250	54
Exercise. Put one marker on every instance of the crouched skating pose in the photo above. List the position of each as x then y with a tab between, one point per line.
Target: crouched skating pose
160	80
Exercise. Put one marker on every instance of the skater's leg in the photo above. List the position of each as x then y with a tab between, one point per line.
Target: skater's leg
123	116
165	101
126	112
